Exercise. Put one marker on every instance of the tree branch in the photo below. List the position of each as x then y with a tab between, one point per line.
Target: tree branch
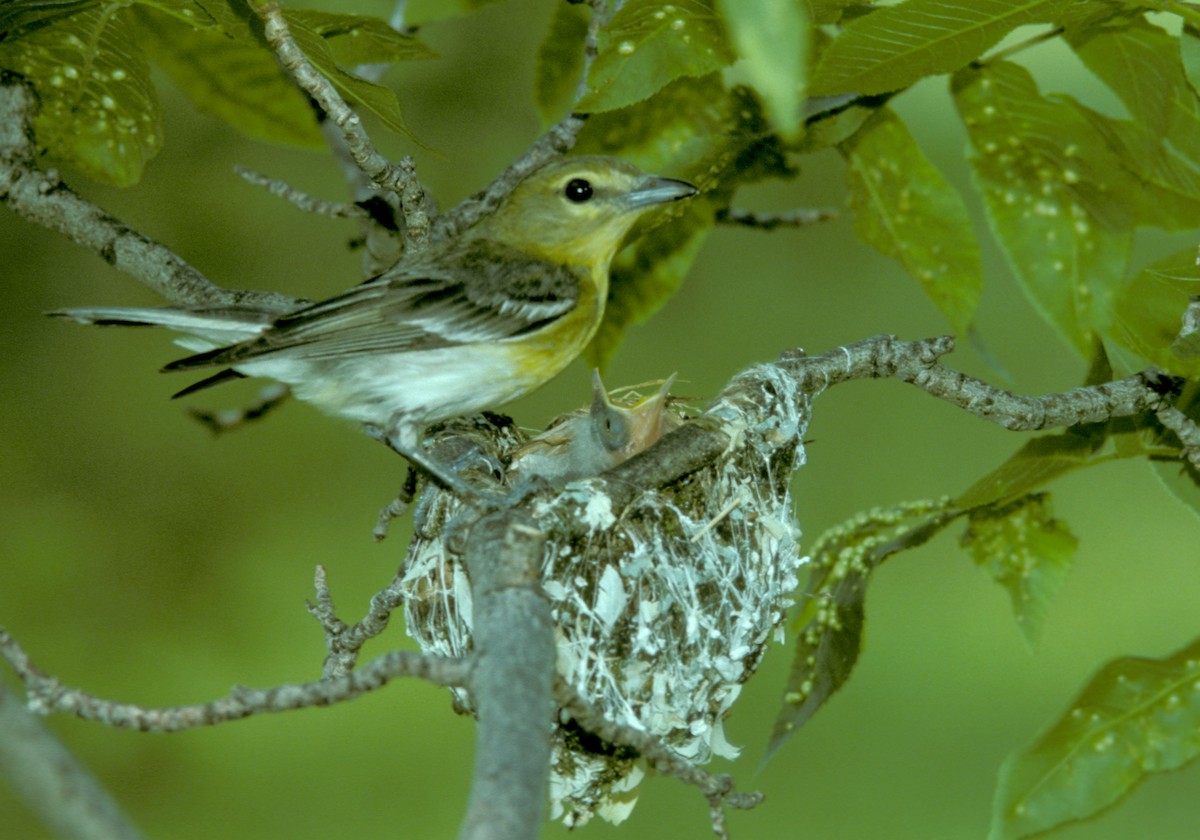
42	198
511	682
398	179
695	444
46	694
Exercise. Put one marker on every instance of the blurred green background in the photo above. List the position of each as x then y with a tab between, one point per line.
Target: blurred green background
146	561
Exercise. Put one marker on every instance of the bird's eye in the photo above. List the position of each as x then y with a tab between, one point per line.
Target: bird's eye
578	190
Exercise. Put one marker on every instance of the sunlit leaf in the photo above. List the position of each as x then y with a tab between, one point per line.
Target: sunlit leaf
649	44
560	60
241	83
99	111
1054	194
905	208
897	45
1136	717
771	39
1033	466
1025	550
831	625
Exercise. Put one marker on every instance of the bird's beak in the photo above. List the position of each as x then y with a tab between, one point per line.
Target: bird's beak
653	190
646	418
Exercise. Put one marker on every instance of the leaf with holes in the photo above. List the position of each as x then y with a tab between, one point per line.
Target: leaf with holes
99	111
1025	550
649	44
1055	194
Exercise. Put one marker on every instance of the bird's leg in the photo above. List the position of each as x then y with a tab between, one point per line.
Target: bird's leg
403	438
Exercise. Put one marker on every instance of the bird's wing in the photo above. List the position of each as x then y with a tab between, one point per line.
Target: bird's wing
478	292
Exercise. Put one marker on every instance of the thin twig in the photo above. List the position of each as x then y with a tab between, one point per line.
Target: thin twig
801	217
558	139
717	789
344	641
47	694
398	179
300	199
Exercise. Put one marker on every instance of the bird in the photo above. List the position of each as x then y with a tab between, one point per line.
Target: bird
471	322
590	441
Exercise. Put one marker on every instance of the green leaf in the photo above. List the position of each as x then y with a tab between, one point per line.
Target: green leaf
1189	53
361	39
240	83
831	625
1136	717
1161	145
1150	308
374	99
1055	197
560	61
19	17
694	129
771	39
1035	465
1141	64
99	111
897	45
649	44
1025	550
821	12
906	209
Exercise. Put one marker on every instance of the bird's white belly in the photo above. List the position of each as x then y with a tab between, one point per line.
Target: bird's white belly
429	385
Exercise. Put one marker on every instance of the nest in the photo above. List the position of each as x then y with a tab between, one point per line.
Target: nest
662	610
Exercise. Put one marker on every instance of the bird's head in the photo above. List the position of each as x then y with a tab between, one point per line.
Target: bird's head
577	210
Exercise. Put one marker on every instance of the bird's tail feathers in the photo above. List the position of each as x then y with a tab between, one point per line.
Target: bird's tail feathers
220	326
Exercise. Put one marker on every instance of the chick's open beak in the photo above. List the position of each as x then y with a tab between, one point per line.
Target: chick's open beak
646	419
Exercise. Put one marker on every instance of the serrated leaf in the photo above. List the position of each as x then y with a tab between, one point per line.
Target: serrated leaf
649	44
1150	308
771	38
361	39
905	208
831	626
99	111
895	46
694	129
1054	195
1136	717
1025	550
560	61
240	83
365	96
